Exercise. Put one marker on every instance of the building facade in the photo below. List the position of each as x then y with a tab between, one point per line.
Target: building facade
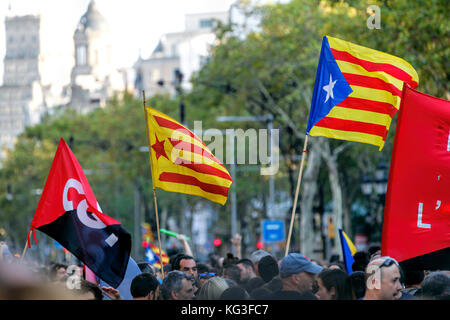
178	55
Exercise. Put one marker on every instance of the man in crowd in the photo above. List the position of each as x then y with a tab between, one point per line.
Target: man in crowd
247	270
383	279
177	285
298	278
145	287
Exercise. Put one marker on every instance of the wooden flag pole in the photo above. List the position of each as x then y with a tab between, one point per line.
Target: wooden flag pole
26	247
154	189
299	180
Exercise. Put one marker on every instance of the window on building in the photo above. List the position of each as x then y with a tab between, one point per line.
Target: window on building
206	23
81	55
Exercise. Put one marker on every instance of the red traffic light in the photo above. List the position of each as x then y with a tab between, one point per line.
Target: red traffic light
145	244
259	245
217	242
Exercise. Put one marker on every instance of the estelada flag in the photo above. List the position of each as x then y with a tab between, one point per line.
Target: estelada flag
69	213
348	250
416	218
357	92
152	256
181	162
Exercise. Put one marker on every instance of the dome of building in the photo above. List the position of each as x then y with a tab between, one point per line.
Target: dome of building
93	19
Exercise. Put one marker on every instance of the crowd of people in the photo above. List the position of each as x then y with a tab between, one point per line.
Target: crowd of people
260	276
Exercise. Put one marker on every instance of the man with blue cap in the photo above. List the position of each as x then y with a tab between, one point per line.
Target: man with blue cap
297	275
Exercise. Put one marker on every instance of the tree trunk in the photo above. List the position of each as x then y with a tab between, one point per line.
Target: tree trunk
336	191
308	190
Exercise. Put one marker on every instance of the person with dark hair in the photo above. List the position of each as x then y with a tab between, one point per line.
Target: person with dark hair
436	286
260	293
204	274
413	280
268	268
232	271
229	259
254	283
144	287
247	270
88	291
57	272
358	284
336	265
177	285
186	264
333	284
297	274
146	267
361	260
234	293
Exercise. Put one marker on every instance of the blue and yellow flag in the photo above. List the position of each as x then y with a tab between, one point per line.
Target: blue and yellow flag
348	250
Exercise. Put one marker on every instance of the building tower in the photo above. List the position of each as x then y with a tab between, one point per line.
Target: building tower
21	96
93	78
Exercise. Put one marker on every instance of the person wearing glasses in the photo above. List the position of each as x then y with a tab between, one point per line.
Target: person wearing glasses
383	279
203	277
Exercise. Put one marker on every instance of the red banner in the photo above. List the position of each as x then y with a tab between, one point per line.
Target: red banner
417	212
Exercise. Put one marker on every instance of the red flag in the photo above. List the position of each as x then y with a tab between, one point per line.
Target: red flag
69	213
417	212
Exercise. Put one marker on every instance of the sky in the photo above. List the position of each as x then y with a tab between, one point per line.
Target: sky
136	25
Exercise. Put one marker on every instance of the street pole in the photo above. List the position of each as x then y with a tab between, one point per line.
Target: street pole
137	221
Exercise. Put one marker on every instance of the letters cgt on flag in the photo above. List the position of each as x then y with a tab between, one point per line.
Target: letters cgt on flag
357	92
181	162
69	213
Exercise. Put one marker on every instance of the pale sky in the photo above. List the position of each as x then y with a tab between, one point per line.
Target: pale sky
135	24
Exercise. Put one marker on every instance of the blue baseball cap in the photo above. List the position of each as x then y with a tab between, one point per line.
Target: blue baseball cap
295	263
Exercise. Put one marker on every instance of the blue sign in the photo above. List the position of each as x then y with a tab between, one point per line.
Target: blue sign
273	230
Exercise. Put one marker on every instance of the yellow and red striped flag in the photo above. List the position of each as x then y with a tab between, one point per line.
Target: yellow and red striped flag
357	92
181	162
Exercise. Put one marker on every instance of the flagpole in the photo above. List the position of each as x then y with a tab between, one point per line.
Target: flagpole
154	189
26	247
299	180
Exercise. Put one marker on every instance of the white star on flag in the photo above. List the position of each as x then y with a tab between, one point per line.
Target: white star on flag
329	89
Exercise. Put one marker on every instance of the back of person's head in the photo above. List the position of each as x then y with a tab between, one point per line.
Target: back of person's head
202	268
254	283
361	260
336	265
337	279
413	277
358	284
229	259
88	290
436	285
257	255
234	293
173	281
143	284
232	271
213	289
275	284
374	249
260	293
268	268
146	267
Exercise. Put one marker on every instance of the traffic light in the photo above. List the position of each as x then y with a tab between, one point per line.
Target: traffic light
259	245
217	242
145	244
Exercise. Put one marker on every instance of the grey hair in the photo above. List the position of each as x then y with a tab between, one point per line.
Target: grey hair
173	281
